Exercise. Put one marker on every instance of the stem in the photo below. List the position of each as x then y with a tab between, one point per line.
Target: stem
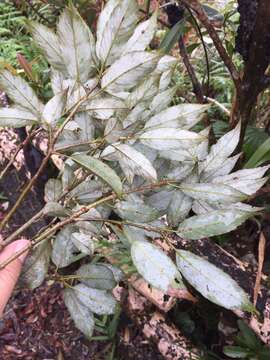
76	215
25	191
25	226
199	11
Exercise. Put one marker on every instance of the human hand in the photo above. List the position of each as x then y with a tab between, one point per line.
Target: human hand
10	274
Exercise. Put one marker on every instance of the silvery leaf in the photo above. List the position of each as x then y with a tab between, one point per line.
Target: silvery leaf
155	266
12	117
77	45
99	301
179	208
213	283
81	315
96	276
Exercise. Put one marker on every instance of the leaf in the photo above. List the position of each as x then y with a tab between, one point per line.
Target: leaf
136	211
162	100
81	315
20	92
128	71
167	62
86	192
132	162
213	283
250	338
169	138
172	36
54	109
48	42
261	155
86	126
104	107
96	276
57	81
179	208
213	223
117	273
115	25
183	116
63	247
53	190
213	193
236	352
55	209
99	301
221	150
212	13
227	166
248	180
143	92
77	45
36	265
155	266
142	36
101	170
12	117
83	243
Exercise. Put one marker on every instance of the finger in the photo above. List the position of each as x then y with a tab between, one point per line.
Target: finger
9	275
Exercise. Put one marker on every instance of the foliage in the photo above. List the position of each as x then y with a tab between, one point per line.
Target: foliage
248	346
127	155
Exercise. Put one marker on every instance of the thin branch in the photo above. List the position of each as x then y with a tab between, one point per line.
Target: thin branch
197	88
199	11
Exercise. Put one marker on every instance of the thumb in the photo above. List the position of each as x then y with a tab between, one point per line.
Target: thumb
10	274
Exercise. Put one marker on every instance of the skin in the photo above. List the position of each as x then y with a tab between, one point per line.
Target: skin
10	275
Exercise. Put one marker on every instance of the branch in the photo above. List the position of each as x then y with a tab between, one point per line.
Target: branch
197	88
199	11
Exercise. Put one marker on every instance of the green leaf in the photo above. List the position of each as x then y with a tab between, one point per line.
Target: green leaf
169	138
236	352
261	155
115	25
81	315
77	45
48	42
128	71
131	161
250	338
36	265
99	301
64	248
213	193
12	117
155	266
96	276
100	169
20	92
172	36
53	190
212	13
213	283
212	223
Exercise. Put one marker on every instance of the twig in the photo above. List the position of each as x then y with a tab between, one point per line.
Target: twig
148	4
218	104
195	82
261	252
80	212
19	147
199	11
204	48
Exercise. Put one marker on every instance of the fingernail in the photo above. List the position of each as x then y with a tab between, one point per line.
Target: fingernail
20	245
